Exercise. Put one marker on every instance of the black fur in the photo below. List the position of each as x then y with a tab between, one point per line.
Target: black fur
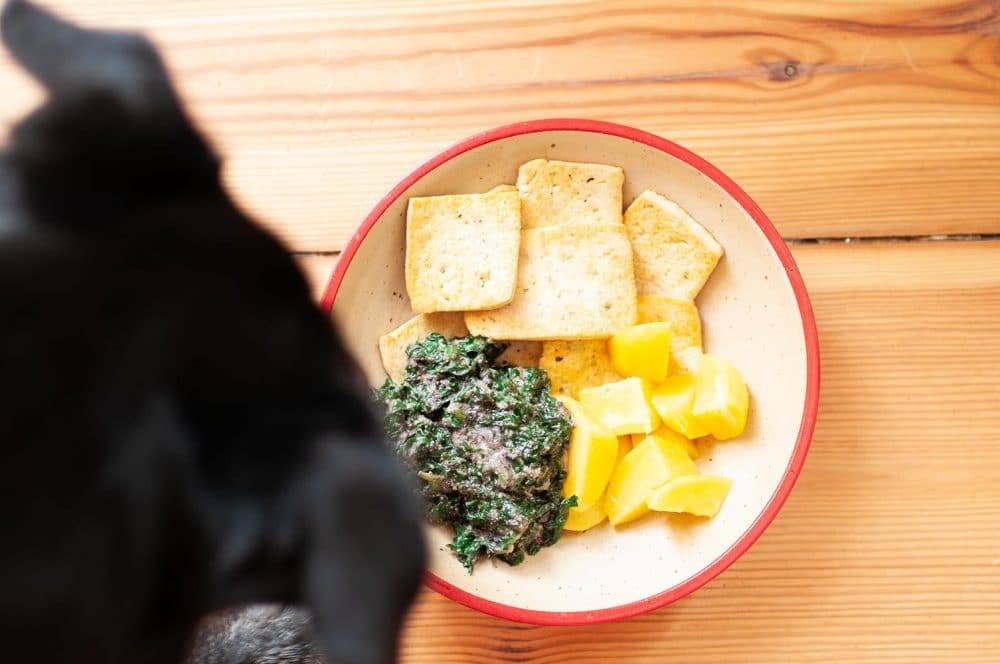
182	429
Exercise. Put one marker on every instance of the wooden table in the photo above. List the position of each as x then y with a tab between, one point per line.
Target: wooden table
868	131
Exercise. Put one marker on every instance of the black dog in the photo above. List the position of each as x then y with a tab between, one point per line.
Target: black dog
182	429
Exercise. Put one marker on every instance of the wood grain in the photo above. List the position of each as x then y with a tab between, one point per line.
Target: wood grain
888	549
840	119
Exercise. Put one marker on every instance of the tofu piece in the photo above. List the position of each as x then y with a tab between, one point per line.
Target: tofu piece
392	345
521	354
461	251
685	328
674	254
573	282
562	192
575	365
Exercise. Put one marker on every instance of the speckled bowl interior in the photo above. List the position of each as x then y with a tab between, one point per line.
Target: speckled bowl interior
755	312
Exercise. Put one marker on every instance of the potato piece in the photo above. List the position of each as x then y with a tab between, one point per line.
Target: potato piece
721	399
591	457
688	445
462	251
701	495
685	328
623	407
574	365
652	463
579	520
625	446
642	351
673	400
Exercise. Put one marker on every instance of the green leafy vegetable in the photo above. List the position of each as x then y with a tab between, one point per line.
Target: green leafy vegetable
487	444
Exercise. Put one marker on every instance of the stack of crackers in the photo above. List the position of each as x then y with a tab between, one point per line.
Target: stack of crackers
554	267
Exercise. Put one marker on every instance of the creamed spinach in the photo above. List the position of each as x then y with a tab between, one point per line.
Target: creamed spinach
487	443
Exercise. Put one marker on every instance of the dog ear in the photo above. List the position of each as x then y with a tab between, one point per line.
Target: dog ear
364	555
67	59
113	139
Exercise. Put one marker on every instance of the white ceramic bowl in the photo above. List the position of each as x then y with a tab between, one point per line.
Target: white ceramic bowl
755	312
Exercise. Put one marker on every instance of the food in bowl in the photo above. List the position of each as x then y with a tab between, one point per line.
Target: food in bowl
486	442
601	291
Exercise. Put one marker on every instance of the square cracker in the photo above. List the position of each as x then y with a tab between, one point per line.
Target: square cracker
574	365
674	254
685	328
392	345
461	251
562	192
573	282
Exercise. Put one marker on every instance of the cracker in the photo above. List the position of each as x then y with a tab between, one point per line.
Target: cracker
502	188
574	282
685	328
392	345
674	254
562	192
461	251
574	365
521	354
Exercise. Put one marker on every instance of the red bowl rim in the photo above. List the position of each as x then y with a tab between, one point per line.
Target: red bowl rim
811	406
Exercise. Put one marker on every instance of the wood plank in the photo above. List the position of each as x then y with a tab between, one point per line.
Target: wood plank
839	118
888	548
317	269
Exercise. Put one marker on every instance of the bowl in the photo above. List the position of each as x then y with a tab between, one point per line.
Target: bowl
755	312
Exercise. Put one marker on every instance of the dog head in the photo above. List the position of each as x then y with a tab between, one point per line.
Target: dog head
297	496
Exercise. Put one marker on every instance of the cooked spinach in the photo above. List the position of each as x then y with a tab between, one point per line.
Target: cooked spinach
487	443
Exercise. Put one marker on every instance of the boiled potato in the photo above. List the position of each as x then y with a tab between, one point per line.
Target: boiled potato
673	400
689	447
642	351
721	399
580	520
652	463
623	407
591	457
625	445
701	495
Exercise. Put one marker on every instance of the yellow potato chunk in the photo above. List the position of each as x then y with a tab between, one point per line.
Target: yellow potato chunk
623	407
721	399
673	400
701	495
642	350
663	431
651	464
689	447
625	445
579	520
590	459
685	327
